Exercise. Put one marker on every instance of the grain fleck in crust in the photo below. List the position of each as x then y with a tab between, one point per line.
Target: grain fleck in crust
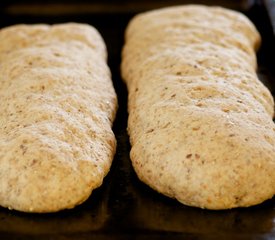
200	121
57	108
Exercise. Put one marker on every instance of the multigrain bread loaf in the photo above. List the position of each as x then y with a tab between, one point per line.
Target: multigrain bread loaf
200	121
57	108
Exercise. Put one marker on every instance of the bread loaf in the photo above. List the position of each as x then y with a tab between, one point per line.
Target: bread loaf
200	121
57	108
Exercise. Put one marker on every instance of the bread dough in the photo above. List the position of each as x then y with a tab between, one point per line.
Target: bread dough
57	108
200	121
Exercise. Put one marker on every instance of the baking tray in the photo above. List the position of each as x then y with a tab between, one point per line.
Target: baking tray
123	207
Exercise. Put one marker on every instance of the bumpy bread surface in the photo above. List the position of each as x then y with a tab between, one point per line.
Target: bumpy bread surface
57	108
200	121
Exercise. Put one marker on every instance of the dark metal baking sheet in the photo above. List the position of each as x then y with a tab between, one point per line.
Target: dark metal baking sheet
124	208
